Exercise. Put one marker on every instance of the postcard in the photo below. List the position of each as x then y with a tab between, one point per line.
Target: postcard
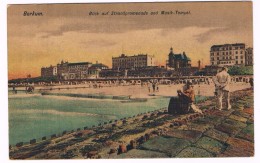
130	80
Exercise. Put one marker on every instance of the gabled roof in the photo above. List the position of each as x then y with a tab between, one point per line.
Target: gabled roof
181	57
178	56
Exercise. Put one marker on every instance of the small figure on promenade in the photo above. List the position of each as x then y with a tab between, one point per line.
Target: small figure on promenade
222	81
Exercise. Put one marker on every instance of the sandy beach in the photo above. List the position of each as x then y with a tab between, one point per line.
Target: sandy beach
138	91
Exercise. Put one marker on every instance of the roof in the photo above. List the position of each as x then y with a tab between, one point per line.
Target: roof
99	65
181	57
178	56
236	44
79	63
135	55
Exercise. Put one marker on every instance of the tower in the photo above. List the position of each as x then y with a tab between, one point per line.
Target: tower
171	58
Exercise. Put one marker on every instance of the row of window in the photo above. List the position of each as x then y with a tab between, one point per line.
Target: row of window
78	66
241	57
129	63
227	62
226	53
228	48
128	59
249	63
126	65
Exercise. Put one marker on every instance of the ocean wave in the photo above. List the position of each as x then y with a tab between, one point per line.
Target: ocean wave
80	98
56	112
22	95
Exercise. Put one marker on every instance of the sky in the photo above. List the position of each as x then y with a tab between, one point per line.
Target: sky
67	32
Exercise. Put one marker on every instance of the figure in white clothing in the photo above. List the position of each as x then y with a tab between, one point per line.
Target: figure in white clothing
222	81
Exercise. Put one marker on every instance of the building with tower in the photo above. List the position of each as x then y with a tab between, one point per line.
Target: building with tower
177	61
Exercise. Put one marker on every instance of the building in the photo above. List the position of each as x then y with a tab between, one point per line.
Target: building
228	54
49	71
132	62
95	69
249	57
177	61
74	71
78	70
62	70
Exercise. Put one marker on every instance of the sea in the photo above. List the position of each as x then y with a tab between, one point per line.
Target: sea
33	116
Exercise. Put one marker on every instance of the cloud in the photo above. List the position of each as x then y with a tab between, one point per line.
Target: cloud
205	36
62	18
98	43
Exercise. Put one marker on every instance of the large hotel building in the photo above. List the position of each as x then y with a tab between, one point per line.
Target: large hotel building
69	71
135	61
231	54
228	54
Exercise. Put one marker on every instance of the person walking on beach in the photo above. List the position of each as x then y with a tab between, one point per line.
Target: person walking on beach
222	81
153	84
14	90
149	87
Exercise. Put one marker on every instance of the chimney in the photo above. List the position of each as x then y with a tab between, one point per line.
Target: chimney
199	64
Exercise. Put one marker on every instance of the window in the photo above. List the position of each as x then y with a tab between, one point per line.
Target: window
241	52
212	63
241	62
241	57
236	57
236	62
217	53
226	53
217	58
236	52
230	52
